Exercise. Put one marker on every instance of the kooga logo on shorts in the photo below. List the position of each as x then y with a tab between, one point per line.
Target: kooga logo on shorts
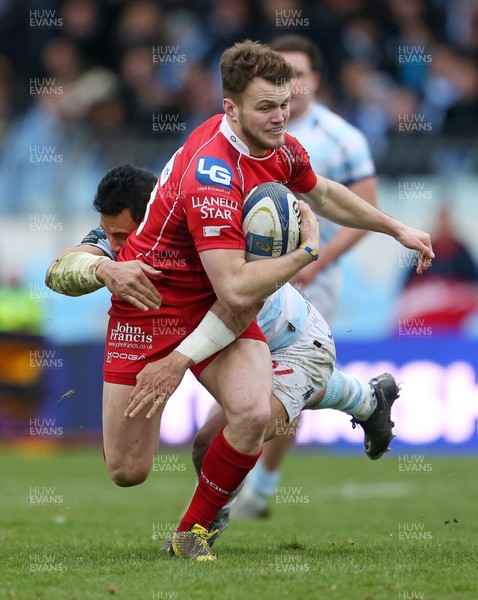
123	356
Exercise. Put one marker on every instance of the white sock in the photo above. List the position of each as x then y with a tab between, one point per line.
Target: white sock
349	395
263	482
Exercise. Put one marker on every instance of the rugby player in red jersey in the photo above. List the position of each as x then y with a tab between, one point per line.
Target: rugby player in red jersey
195	219
192	232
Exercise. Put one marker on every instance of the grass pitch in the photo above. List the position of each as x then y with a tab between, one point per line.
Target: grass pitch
343	527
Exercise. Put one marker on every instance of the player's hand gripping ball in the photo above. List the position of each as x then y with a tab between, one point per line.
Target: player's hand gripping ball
271	221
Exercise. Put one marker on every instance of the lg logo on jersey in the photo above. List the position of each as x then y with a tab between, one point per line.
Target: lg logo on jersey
214	171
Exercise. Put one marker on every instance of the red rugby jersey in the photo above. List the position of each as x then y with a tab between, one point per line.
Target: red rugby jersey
197	205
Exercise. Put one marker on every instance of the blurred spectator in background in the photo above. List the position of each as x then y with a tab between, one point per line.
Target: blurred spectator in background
462	23
461	116
140	23
8	92
48	147
144	93
199	99
367	103
227	22
83	24
121	65
454	261
447	296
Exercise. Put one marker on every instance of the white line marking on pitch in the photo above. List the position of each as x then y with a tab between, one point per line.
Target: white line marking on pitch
356	491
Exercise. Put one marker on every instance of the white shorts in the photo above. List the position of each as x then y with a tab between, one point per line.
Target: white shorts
303	369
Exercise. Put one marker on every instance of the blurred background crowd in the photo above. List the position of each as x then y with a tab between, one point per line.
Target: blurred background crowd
94	72
86	85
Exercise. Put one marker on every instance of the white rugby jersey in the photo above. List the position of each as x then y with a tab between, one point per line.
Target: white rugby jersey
283	316
337	151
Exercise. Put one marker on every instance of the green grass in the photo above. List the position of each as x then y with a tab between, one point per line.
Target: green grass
337	536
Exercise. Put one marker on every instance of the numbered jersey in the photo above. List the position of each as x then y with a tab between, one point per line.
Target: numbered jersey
197	206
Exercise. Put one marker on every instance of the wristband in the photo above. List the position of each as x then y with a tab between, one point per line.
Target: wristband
313	253
74	273
209	337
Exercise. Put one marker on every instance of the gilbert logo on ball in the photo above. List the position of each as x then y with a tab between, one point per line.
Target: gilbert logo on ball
271	221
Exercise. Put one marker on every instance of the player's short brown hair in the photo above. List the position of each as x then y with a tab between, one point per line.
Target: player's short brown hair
293	42
246	60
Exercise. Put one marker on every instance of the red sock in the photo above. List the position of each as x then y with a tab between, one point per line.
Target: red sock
223	469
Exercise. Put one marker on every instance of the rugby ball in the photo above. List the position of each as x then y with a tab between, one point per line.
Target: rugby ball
271	221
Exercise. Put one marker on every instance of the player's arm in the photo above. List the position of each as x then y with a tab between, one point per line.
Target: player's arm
348	237
240	285
344	239
73	271
241	292
241	288
339	204
85	268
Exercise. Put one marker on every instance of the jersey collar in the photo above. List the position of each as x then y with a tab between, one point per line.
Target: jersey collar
232	137
238	144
